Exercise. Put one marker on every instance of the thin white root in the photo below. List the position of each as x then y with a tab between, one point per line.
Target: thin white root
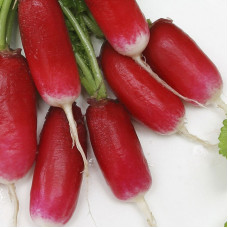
145	66
221	104
74	135
88	203
143	206
182	130
14	199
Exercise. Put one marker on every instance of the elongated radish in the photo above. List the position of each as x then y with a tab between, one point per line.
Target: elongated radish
110	119
177	59
118	152
18	117
146	99
58	172
123	24
50	56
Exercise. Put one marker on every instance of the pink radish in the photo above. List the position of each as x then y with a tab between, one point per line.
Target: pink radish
58	172
50	56
119	153
176	58
123	24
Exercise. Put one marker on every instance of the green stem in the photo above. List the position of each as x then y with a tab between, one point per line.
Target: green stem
3	19
100	87
93	27
86	77
10	23
1	1
83	26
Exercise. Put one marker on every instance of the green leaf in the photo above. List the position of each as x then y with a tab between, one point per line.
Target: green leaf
223	139
225	225
81	7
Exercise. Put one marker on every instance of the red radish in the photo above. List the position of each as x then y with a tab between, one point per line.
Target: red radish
17	121
50	56
58	172
123	24
145	98
17	117
177	59
119	153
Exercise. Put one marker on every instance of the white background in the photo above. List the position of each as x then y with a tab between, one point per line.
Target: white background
189	182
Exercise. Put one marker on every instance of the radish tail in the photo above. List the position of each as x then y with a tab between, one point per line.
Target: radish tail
74	135
143	206
145	66
183	131
88	203
14	199
221	104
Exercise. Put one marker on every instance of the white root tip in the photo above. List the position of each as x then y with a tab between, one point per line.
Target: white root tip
145	66
14	199
221	104
144	208
182	130
74	135
88	203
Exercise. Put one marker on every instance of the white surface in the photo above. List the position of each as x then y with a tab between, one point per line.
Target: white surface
189	183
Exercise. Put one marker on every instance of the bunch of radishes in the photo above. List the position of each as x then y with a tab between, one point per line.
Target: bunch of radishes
150	68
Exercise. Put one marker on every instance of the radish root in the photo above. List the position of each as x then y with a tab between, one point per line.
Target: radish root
88	203
145	66
14	200
221	104
74	135
143	206
183	131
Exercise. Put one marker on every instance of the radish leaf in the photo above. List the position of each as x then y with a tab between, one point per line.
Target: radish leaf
223	139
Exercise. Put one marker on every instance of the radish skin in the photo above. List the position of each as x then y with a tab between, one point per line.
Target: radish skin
58	172
118	152
177	59
50	56
122	23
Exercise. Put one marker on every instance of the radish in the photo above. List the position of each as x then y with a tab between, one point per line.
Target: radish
58	172
177	59
18	118
119	153
146	99
50	57
123	24
109	126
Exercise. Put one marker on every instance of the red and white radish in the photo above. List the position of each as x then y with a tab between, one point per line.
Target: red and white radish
123	24
50	57
177	59
119	153
58	172
145	98
18	119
